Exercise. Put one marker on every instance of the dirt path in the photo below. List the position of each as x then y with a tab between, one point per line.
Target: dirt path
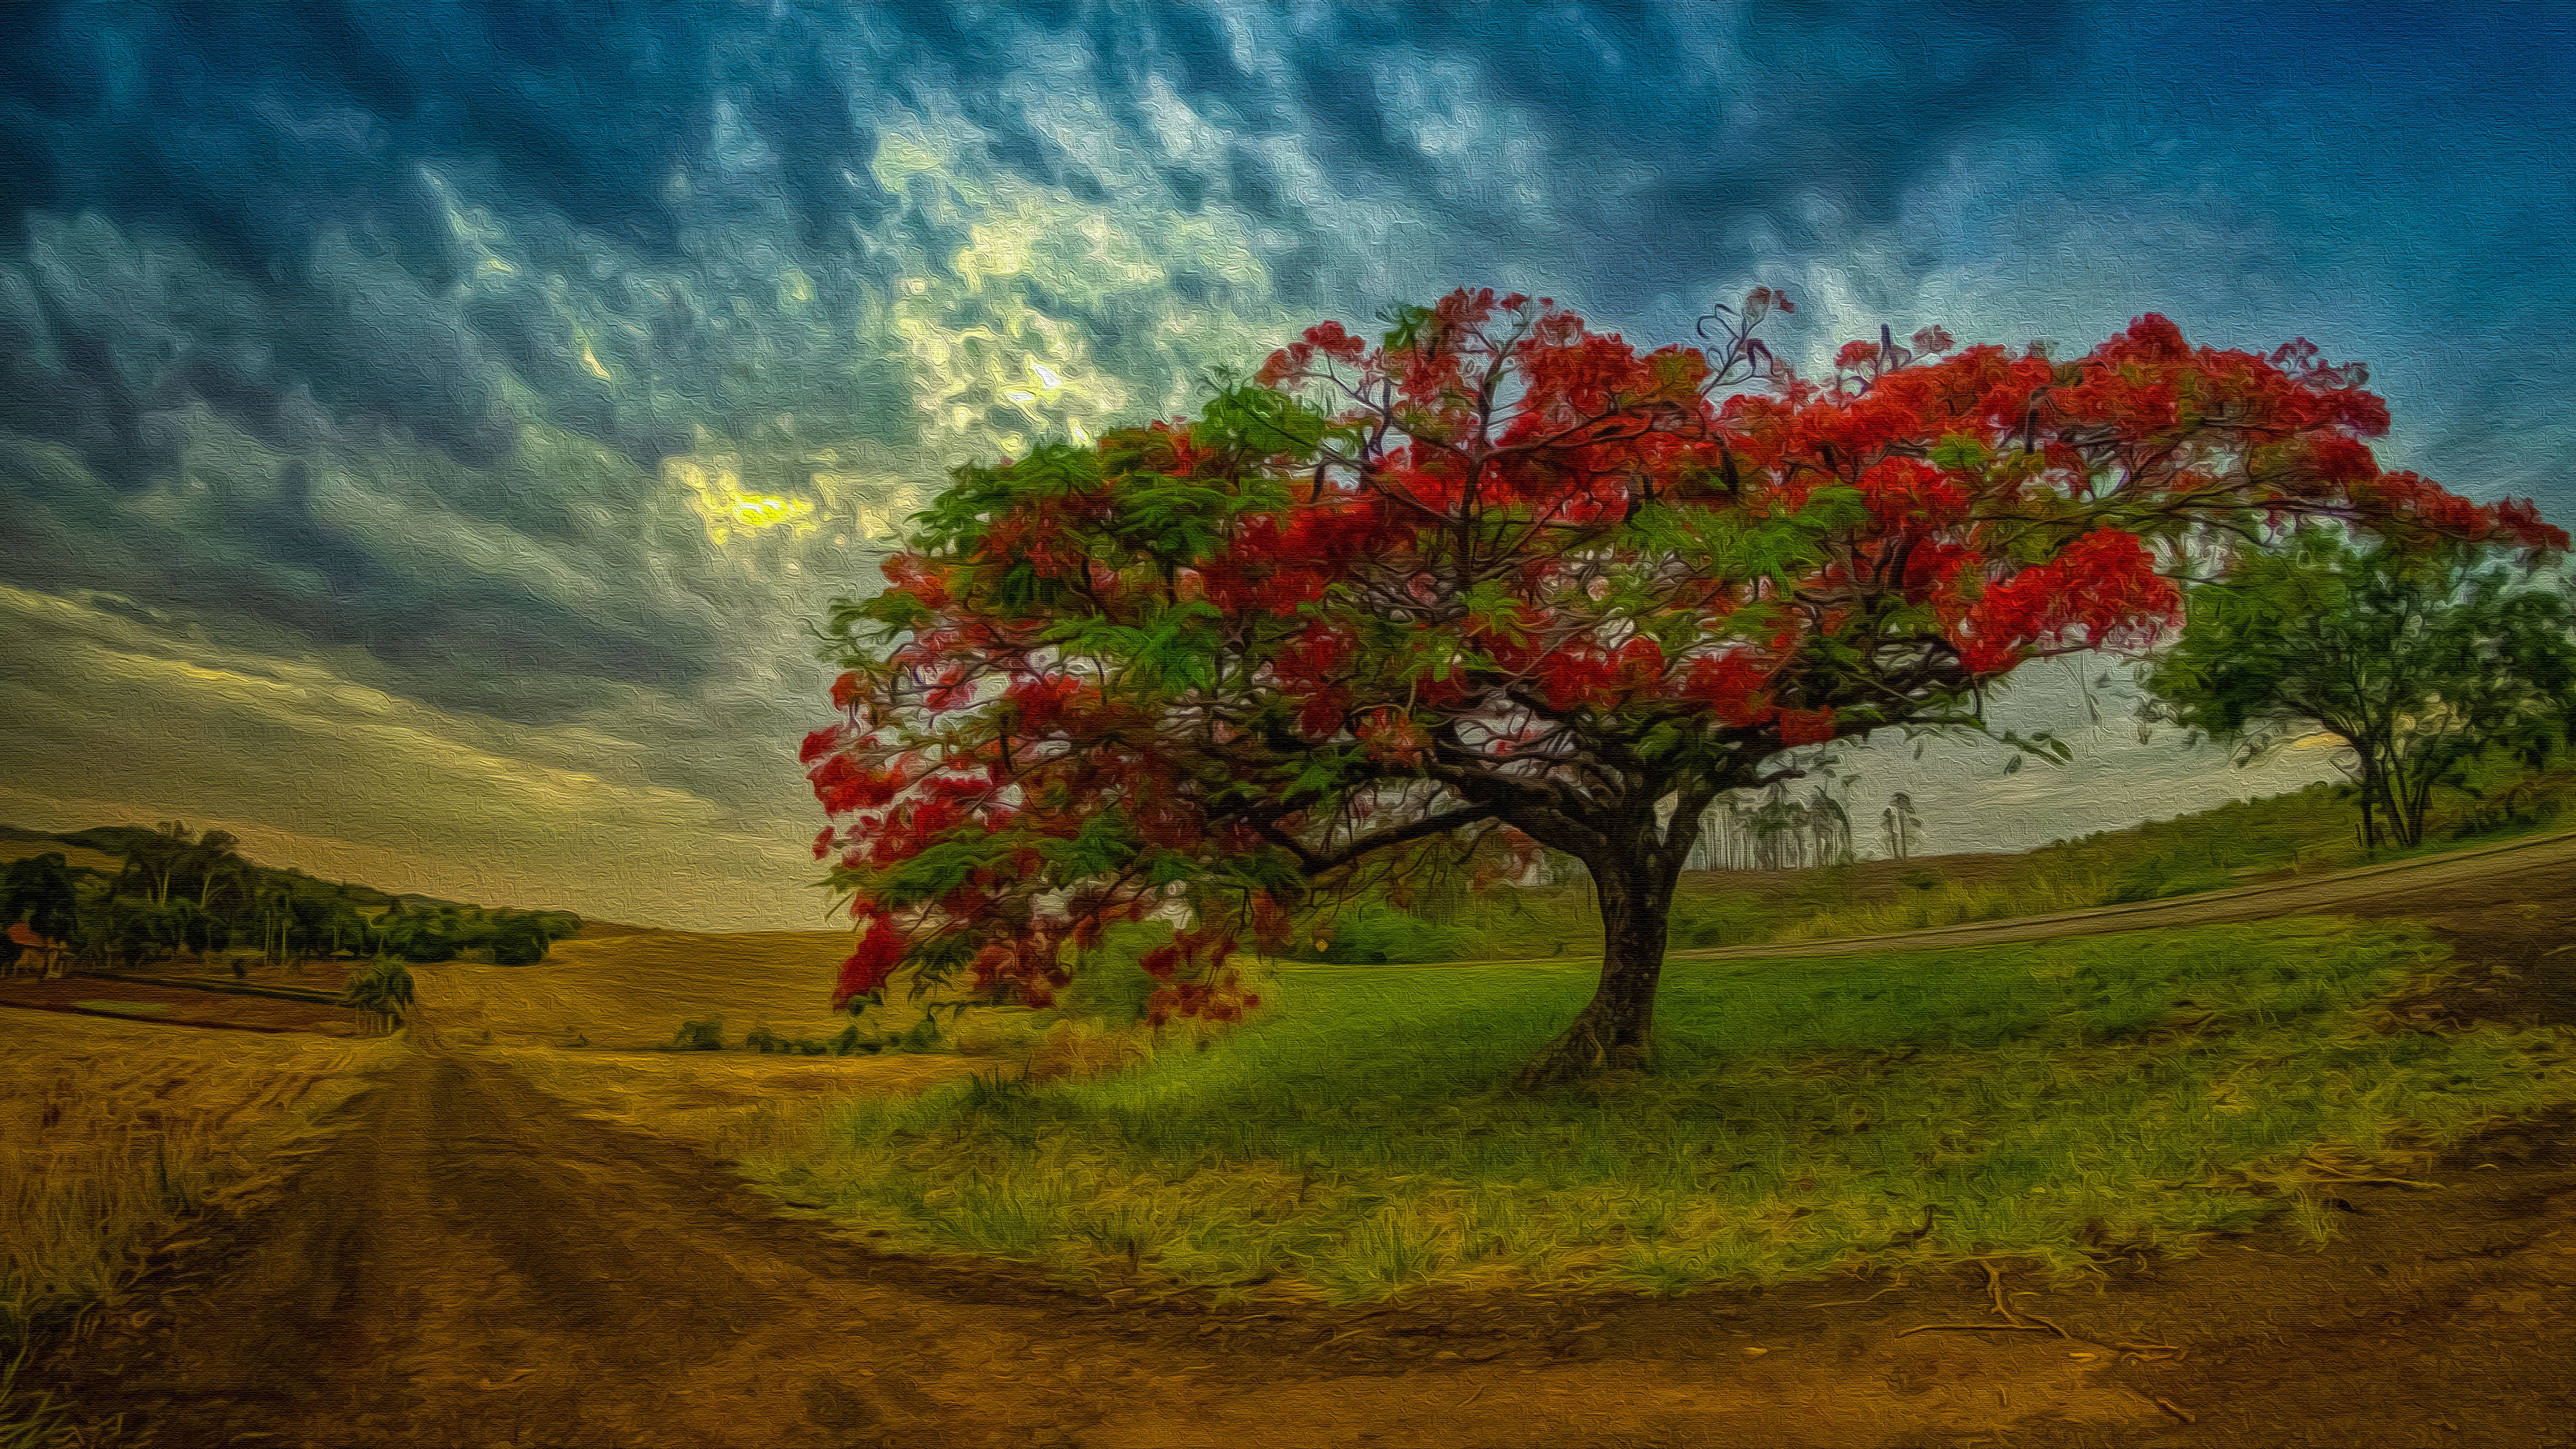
470	1264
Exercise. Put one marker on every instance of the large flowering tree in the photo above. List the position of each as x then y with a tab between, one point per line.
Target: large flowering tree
1496	581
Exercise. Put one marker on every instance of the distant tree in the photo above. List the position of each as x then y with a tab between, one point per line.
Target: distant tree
214	863
1901	826
1779	827
518	938
381	994
2418	656
160	856
1495	581
39	891
1828	826
423	936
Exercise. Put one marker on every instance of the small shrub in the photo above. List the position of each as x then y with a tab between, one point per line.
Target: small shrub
700	1036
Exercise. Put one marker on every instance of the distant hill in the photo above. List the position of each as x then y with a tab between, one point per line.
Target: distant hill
102	849
17	844
133	895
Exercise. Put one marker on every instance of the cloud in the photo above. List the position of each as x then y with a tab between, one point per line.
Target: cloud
122	711
510	393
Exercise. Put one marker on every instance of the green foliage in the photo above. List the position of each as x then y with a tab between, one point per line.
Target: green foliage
384	987
769	1043
520	938
179	893
705	1035
2419	661
39	891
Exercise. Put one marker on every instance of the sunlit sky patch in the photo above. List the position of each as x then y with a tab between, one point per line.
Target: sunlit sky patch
426	434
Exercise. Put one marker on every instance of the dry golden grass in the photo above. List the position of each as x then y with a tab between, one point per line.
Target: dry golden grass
109	1130
633	991
700	1097
588	1025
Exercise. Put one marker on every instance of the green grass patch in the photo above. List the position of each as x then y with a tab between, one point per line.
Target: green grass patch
2063	1101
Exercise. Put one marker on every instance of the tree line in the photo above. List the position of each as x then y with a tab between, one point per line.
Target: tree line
176	892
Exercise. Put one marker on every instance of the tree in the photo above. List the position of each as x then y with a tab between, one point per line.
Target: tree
160	856
2419	656
39	891
1902	827
519	938
1495	582
381	995
217	864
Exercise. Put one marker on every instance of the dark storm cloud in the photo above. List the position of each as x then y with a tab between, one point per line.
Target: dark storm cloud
487	352
252	131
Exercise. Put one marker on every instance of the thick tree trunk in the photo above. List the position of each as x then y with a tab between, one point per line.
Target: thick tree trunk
1616	1031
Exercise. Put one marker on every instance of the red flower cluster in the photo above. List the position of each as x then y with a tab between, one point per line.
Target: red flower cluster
873	963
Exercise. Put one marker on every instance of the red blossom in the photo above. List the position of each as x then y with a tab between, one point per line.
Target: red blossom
869	967
1806	726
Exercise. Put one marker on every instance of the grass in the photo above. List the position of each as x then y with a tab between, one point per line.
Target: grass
2069	1102
110	1131
31	1421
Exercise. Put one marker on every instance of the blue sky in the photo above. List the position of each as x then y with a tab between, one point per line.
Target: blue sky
428	428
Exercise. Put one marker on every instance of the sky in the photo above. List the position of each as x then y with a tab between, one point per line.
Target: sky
430	431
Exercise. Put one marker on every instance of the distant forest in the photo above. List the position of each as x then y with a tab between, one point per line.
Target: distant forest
174	892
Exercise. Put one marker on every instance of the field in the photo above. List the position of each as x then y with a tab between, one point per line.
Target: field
2185	1170
633	989
596	1021
111	1131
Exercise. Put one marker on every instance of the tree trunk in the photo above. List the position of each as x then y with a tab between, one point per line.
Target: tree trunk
1616	1031
2369	789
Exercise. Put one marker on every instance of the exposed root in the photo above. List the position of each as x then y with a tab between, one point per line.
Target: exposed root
1582	1054
2012	1321
1852	1302
1995	1292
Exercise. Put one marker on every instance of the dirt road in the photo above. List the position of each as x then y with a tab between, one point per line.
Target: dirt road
471	1264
